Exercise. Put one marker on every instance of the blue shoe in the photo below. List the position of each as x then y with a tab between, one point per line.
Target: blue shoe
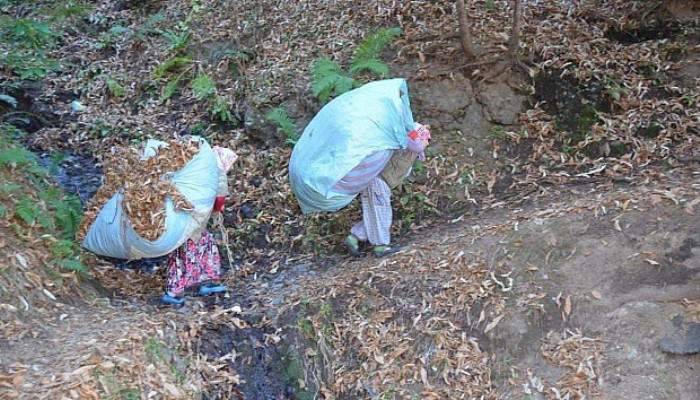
381	251
172	300
353	245
209	289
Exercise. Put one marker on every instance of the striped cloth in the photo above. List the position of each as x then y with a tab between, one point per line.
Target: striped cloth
360	177
375	226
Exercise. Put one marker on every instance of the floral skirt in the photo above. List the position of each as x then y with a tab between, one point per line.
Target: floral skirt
193	263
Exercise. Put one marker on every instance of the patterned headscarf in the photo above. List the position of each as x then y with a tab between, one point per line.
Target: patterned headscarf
416	137
419	132
225	158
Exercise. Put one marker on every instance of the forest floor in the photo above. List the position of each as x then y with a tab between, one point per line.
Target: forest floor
552	238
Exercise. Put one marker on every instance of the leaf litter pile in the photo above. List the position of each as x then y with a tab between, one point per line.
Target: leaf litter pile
144	184
581	357
412	321
643	114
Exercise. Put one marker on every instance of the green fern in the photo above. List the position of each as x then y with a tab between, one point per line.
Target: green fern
27	210
62	249
170	89
9	187
46	221
221	109
3	211
376	67
203	86
285	124
27	32
51	193
368	52
15	156
176	40
171	65
67	213
70	264
115	89
328	79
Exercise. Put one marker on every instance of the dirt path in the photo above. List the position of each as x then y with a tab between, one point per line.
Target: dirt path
584	286
628	275
588	283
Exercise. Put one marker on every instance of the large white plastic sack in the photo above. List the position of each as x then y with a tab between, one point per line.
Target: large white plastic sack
112	234
374	117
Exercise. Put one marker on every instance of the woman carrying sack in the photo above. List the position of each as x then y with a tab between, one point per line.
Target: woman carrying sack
374	178
197	262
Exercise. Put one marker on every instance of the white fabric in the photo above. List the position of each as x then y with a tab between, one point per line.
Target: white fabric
375	226
359	177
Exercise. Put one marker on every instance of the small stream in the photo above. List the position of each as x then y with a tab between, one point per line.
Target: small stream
75	174
81	176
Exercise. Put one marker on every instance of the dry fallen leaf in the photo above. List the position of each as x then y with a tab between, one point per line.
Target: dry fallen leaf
493	323
424	376
567	306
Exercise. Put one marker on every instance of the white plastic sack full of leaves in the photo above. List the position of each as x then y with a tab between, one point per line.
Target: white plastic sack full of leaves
352	126
112	234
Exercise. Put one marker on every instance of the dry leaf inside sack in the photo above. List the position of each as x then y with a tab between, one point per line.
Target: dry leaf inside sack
144	184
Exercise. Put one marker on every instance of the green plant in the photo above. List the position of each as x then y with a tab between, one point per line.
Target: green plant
199	128
9	131
27	32
285	124
497	132
154	349
27	210
118	389
62	248
102	128
367	53
28	64
203	86
689	100
490	5
329	79
237	60
220	109
171	65
115	89
15	156
177	39
171	88
68	214
181	65
9	187
72	264
306	327
26	41
56	159
418	167
326	311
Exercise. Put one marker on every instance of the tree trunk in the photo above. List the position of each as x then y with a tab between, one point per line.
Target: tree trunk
464	30
514	44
